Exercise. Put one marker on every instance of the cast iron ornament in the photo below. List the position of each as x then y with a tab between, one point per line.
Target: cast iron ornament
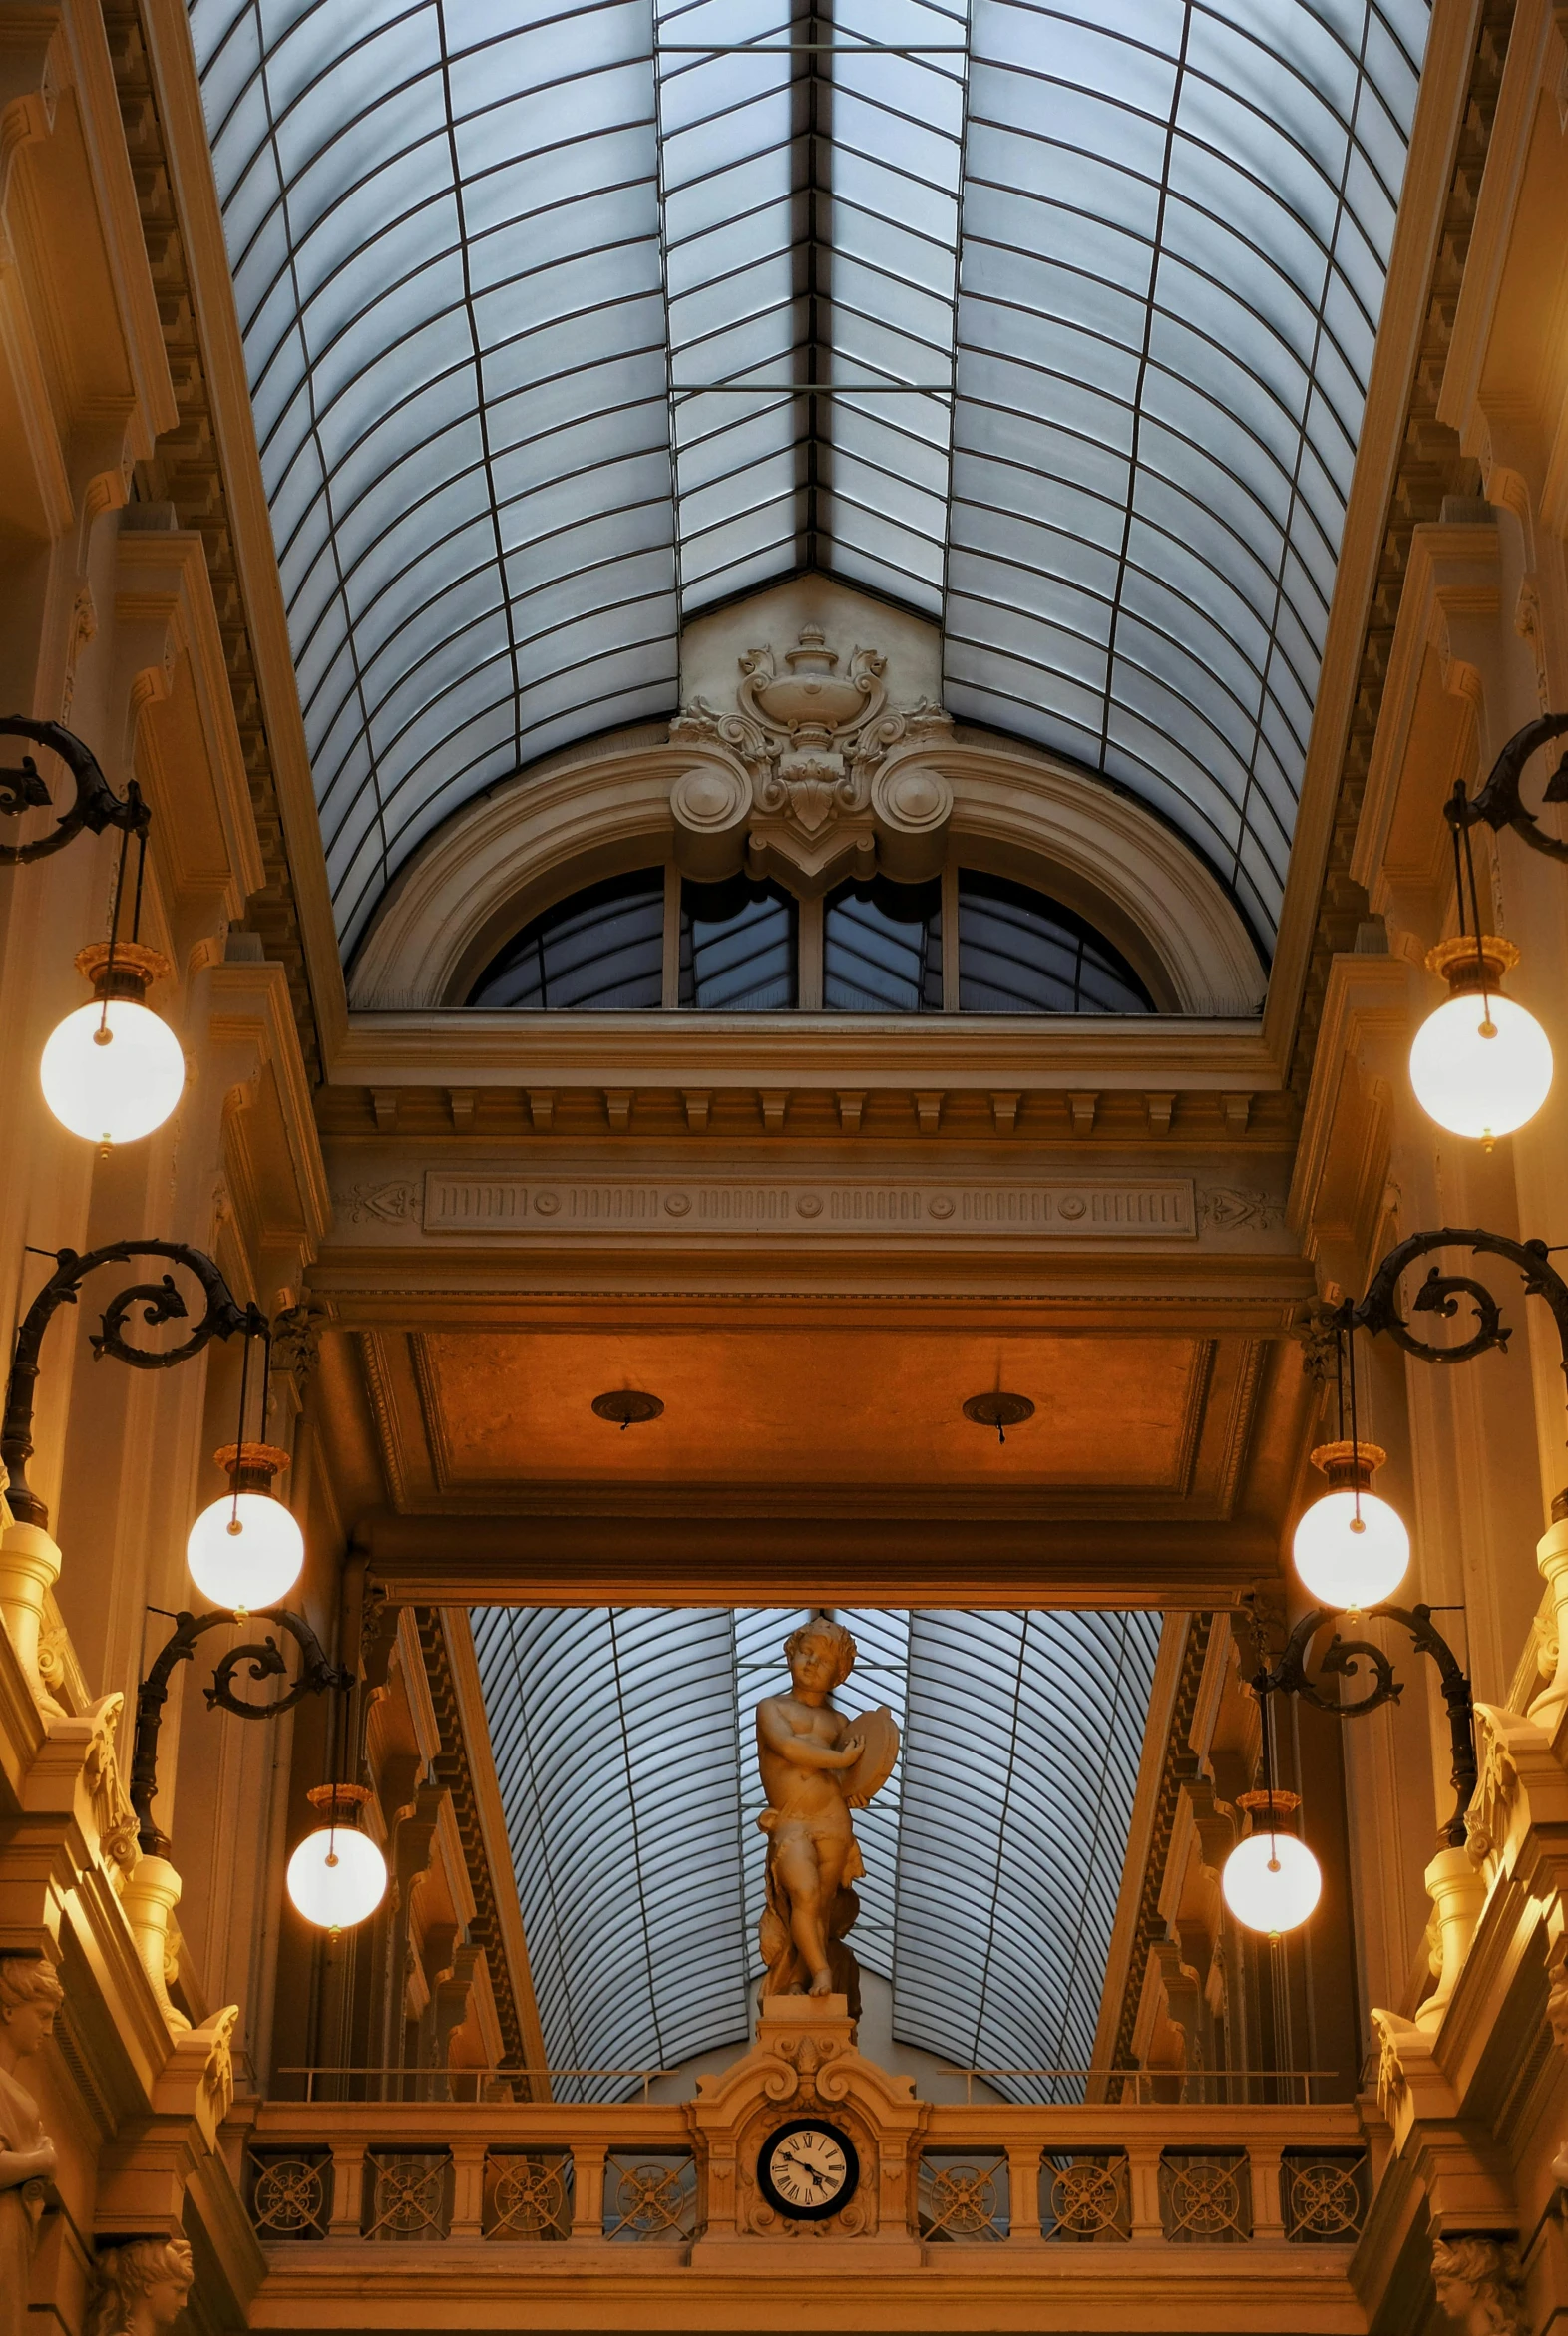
1440	1293
1341	1660
160	1301
95	805
1499	802
808	2170
266	1661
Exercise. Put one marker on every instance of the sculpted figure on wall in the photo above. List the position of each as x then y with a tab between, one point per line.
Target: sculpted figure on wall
30	1996
816	1767
1480	2286
143	2287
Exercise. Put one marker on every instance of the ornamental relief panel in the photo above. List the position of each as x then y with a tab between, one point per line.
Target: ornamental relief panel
811	775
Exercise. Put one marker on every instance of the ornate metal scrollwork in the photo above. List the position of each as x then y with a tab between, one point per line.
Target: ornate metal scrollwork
94	806
265	1657
1342	1658
1441	1293
1499	802
159	1301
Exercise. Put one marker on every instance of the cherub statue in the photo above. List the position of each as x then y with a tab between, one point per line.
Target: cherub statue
143	2287
816	1767
30	1996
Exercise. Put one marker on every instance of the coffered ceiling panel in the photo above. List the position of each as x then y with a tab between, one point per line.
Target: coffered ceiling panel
773	1417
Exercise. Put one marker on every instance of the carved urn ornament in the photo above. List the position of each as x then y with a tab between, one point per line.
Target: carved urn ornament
812	776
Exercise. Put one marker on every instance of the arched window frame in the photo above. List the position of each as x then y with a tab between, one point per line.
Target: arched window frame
811	913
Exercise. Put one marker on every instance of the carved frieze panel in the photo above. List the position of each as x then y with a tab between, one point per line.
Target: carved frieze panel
544	1208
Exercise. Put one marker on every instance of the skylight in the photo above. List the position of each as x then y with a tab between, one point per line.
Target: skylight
565	321
625	1750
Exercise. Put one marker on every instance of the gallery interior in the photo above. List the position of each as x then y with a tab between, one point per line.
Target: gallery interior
783	919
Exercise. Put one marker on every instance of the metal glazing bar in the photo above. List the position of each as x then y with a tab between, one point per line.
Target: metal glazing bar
813	48
813	389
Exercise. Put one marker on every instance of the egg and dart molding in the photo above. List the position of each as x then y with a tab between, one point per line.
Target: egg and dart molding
114	1071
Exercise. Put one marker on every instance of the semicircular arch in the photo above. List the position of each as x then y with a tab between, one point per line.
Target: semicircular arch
1017	812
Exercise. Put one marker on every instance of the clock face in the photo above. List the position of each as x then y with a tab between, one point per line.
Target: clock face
807	2169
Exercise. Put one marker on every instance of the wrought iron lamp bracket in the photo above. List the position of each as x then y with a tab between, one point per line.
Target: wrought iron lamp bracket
94	806
1499	802
317	1674
1440	1293
1341	1660
160	1301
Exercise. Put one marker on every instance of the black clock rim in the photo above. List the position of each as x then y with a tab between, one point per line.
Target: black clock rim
781	2204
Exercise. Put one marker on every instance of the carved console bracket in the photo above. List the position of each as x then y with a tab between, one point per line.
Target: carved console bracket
811	776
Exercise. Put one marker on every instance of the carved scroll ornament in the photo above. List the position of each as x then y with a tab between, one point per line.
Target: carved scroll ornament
811	776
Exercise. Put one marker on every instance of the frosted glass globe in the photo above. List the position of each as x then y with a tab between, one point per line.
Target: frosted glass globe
251	1568
1344	1567
1272	1882
336	1877
1476	1085
110	1093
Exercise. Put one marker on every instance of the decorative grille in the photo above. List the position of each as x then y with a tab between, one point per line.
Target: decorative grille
963	2200
408	2194
291	2193
1324	2195
1086	2202
652	2199
528	2194
1205	2197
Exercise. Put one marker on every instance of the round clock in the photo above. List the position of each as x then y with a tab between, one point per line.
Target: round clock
807	2170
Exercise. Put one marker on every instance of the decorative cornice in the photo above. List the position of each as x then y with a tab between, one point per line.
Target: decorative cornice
1180	1764
451	1767
184	471
1432	466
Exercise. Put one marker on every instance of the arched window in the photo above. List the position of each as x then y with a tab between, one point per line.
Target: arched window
882	949
599	950
737	947
870	947
1020	951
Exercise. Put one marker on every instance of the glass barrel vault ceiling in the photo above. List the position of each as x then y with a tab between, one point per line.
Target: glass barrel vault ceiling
625	1748
1053	323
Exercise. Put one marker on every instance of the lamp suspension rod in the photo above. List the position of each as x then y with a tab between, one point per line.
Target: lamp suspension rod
1460	821
239	1440
114	934
141	873
1356	1523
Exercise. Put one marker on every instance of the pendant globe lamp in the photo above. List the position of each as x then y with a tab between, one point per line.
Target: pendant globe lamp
1352	1548
1482	1064
246	1550
1272	1881
337	1876
112	1071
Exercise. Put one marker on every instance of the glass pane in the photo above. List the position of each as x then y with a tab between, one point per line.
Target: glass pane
737	947
603	949
1023	953
882	949
561	327
623	1746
